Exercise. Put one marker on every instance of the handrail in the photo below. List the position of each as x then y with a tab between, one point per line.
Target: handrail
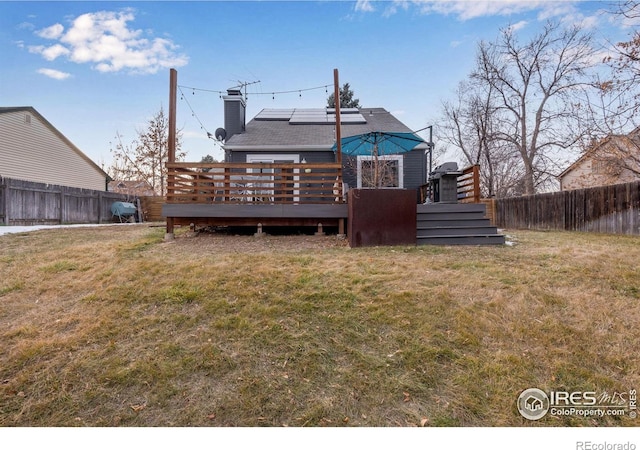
242	183
468	186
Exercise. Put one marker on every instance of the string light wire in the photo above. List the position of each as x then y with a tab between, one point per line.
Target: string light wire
272	93
220	93
193	114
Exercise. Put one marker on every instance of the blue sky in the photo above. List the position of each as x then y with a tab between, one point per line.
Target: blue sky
94	69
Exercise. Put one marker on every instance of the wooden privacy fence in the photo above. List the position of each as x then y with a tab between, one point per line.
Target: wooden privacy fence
259	183
152	208
605	209
30	203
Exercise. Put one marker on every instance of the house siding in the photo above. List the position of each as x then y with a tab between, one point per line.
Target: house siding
309	156
583	176
30	150
414	169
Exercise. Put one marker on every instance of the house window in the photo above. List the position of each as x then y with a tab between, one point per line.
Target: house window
381	172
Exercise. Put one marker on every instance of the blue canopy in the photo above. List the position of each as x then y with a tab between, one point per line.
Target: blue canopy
380	143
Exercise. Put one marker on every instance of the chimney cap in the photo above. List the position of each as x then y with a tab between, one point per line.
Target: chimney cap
234	91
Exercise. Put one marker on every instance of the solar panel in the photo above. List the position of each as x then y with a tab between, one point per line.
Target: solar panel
311	116
274	114
351	118
344	111
308	119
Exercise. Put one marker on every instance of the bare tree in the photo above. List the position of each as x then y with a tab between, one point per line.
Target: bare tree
468	125
146	156
535	85
614	141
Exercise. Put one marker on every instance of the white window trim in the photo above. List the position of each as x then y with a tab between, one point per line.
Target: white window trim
399	158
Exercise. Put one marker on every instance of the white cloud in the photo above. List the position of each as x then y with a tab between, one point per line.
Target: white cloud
52	32
25	26
51	53
105	40
55	74
519	25
364	6
471	9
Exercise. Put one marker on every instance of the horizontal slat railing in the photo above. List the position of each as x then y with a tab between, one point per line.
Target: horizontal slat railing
260	183
468	187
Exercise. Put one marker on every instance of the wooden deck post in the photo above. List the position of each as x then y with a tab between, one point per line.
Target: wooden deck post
336	90
476	183
171	145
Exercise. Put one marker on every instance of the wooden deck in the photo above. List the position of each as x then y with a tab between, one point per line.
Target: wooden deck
248	194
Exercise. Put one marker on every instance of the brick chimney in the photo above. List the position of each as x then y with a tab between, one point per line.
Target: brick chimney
234	112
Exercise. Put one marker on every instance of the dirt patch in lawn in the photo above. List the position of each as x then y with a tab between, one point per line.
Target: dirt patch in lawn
245	242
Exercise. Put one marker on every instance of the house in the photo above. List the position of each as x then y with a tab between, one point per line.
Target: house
32	149
133	188
613	160
308	135
281	169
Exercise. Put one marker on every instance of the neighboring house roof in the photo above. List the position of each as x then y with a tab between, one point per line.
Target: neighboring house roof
588	154
131	187
310	128
611	160
32	110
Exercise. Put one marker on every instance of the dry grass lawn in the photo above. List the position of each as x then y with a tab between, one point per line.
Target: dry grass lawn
113	326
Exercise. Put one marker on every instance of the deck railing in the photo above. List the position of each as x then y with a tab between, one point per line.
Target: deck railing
259	183
468	186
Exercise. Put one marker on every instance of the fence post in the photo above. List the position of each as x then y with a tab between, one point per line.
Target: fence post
100	204
62	204
4	188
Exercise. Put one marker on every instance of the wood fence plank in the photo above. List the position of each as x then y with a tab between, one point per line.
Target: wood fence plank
31	203
604	209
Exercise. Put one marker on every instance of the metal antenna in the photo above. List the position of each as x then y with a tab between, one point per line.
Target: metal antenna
243	85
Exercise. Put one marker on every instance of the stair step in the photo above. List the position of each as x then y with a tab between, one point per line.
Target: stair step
452	208
437	222
468	215
456	230
491	239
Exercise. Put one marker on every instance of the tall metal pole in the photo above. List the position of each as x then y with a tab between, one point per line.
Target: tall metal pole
171	145
430	148
336	96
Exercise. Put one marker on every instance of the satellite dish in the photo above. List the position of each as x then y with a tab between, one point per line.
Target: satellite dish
221	133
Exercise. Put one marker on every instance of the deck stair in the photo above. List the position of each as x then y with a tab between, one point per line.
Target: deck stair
455	224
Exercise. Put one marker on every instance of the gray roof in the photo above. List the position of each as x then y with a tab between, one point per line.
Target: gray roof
281	133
